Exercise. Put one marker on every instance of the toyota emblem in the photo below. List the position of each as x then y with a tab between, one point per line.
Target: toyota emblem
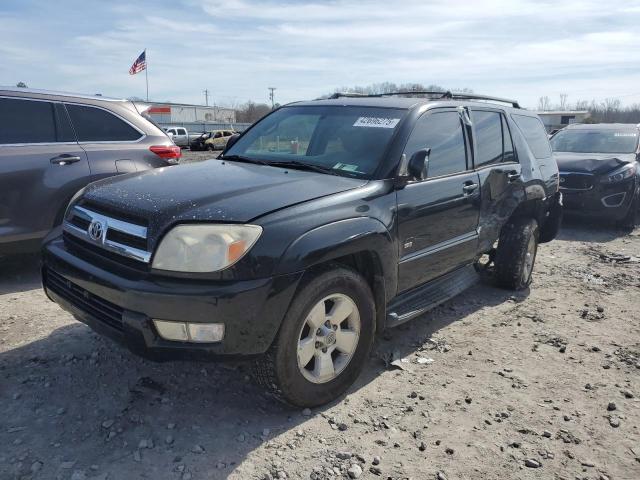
95	230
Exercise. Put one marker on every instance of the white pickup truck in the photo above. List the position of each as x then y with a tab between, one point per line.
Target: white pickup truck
181	136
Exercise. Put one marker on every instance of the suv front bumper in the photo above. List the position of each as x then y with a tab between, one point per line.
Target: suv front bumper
124	308
601	200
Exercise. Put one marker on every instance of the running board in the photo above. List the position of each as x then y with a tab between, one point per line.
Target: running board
419	300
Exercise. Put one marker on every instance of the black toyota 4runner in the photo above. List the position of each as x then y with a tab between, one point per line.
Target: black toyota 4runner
324	223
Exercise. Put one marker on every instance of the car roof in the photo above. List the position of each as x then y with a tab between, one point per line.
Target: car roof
603	126
404	103
52	93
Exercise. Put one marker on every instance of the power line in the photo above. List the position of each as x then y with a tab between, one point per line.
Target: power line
272	96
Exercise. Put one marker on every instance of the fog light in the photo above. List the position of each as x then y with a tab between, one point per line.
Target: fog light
614	200
190	332
172	330
206	332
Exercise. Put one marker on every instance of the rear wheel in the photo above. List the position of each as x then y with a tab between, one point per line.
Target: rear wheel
323	342
516	253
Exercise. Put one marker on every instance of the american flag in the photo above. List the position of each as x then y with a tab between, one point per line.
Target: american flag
139	65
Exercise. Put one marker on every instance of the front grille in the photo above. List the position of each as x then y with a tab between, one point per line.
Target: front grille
113	236
97	307
576	181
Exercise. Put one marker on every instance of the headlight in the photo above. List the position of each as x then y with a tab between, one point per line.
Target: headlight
620	174
204	248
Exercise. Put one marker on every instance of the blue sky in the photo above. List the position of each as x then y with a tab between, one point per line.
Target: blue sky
237	48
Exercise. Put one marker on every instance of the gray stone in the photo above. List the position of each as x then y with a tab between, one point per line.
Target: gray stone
197	449
611	407
354	471
532	463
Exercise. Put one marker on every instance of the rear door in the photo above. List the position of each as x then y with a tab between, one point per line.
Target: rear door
41	167
499	172
438	216
112	144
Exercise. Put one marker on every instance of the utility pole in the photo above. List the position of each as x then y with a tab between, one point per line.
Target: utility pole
206	97
272	96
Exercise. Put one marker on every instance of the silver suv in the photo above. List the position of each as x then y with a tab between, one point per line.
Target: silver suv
53	144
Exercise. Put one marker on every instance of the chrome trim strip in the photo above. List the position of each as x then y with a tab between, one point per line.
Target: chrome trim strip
438	247
109	224
125	227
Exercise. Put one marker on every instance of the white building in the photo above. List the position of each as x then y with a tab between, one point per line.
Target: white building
184	114
554	120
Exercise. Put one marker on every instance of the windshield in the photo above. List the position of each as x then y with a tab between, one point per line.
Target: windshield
347	141
595	141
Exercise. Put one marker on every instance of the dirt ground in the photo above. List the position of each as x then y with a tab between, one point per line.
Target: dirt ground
543	383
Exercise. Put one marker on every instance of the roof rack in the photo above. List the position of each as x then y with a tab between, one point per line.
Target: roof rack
448	95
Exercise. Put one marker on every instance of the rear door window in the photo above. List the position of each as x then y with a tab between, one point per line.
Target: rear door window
96	125
26	121
442	133
487	128
534	133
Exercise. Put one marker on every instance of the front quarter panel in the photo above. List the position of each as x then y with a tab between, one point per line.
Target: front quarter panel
342	238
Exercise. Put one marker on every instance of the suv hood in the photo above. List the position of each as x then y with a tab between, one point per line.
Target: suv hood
594	163
214	190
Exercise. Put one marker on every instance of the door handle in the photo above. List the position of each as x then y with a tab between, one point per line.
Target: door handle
65	159
469	187
513	175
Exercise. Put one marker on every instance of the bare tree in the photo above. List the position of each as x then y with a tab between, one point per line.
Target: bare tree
544	104
563	101
21	85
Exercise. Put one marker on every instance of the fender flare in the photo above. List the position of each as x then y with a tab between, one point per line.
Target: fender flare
345	237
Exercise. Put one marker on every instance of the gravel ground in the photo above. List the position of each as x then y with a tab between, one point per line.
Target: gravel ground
189	157
544	383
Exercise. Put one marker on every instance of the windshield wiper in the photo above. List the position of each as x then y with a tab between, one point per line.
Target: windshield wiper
304	166
242	158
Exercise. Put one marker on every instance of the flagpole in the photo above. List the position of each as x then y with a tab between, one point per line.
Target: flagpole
146	72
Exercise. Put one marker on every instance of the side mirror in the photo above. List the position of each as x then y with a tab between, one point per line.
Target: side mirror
419	164
232	139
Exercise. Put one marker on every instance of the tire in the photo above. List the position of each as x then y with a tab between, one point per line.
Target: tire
279	369
552	224
630	220
516	253
210	147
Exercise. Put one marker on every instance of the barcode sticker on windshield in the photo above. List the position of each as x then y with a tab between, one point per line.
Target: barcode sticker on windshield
376	122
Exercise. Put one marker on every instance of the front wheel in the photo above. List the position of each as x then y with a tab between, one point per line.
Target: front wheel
516	253
323	342
630	220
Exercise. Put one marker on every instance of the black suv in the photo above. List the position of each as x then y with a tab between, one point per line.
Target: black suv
53	143
599	170
325	222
